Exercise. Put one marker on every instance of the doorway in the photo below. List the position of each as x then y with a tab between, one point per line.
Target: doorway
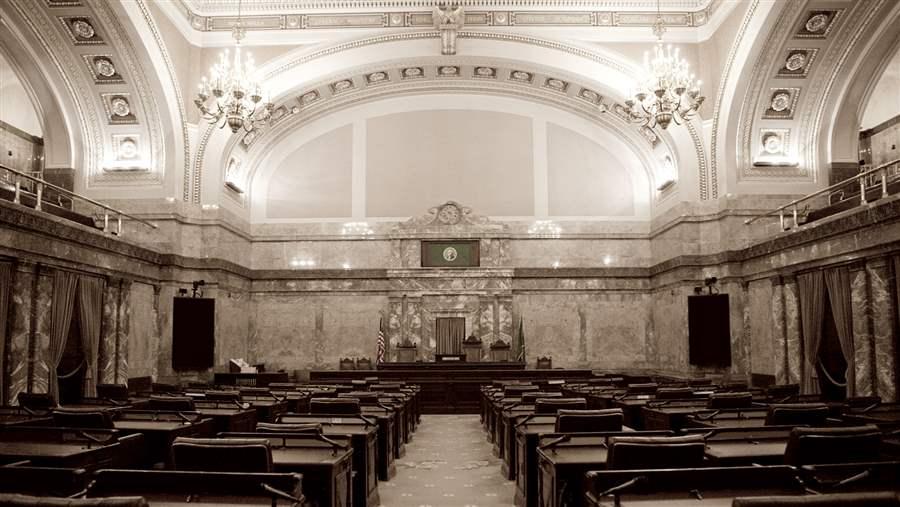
449	332
71	369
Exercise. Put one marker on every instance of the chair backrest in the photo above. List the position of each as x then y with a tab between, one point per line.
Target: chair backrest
363	363
786	414
36	401
815	446
880	499
14	500
631	453
347	363
364	397
112	391
158	387
528	398
552	405
544	363
289	427
518	389
730	400
782	391
578	421
347	406
643	388
674	393
222	454
222	395
171	403
82	418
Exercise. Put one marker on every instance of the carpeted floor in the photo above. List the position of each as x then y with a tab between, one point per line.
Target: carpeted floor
448	464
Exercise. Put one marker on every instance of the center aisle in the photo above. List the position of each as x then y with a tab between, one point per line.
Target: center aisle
448	464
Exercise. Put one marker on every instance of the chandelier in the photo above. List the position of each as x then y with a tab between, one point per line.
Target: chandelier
667	91
231	94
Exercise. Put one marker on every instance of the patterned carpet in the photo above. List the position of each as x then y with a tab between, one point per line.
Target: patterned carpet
448	464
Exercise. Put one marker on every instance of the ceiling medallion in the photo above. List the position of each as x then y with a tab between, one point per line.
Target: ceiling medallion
488	72
781	101
521	76
448	71
120	107
412	72
341	86
449	214
795	61
309	97
817	23
83	29
377	77
556	84
104	66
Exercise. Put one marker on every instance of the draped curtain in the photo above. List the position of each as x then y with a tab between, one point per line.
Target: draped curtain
90	297
450	333
5	289
812	311
64	288
837	281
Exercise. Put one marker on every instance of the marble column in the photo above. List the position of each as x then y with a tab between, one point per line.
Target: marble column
739	308
793	340
40	332
124	334
862	331
779	332
881	304
17	351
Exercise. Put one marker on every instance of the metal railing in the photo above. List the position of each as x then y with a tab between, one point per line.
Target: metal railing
38	193
867	180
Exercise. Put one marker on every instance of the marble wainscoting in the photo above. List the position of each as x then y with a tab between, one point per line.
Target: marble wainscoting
42	302
115	330
141	344
883	313
760	321
18	363
792	331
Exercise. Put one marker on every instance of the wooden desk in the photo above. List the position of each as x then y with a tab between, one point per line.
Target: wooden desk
70	454
764	452
527	435
227	416
43	481
326	471
160	429
388	418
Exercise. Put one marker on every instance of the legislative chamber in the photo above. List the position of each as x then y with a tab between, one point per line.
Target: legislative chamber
450	253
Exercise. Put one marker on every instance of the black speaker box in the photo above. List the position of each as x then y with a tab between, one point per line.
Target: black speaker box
193	333
709	330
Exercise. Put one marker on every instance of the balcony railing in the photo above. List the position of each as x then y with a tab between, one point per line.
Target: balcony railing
26	185
868	185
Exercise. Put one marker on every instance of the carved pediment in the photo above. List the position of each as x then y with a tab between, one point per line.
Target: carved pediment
451	217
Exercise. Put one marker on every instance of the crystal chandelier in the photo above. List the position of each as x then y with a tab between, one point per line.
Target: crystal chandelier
667	91
232	95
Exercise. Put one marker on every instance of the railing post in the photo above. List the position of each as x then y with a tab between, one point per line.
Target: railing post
119	226
862	190
781	219
884	190
106	222
40	196
17	197
794	212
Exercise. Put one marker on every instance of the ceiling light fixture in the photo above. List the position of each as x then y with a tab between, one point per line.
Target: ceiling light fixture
667	91
232	94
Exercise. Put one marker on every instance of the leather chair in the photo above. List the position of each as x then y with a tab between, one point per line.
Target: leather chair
118	392
363	363
634	453
14	500
222	395
171	403
36	401
782	391
552	405
252	455
289	427
343	406
643	388
518	389
528	398
797	414
816	446
367	398
882	499
82	418
730	400
674	393
158	387
347	363
580	421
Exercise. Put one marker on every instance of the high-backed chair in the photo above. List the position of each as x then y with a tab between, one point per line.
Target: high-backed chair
730	400
552	405
815	446
633	453
643	388
14	500
880	499
674	393
363	363
82	418
347	363
118	392
579	421
171	403
796	414
222	454
346	406
36	401
528	398
289	427
544	363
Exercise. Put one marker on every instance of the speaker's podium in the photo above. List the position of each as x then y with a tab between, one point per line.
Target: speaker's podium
449	358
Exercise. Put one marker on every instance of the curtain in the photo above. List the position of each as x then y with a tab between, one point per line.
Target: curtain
64	285
811	288
837	281
90	308
457	334
6	273
442	333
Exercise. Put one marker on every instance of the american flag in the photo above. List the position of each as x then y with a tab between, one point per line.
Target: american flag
380	345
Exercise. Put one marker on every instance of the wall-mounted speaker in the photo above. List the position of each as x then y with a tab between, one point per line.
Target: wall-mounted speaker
193	333
709	330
